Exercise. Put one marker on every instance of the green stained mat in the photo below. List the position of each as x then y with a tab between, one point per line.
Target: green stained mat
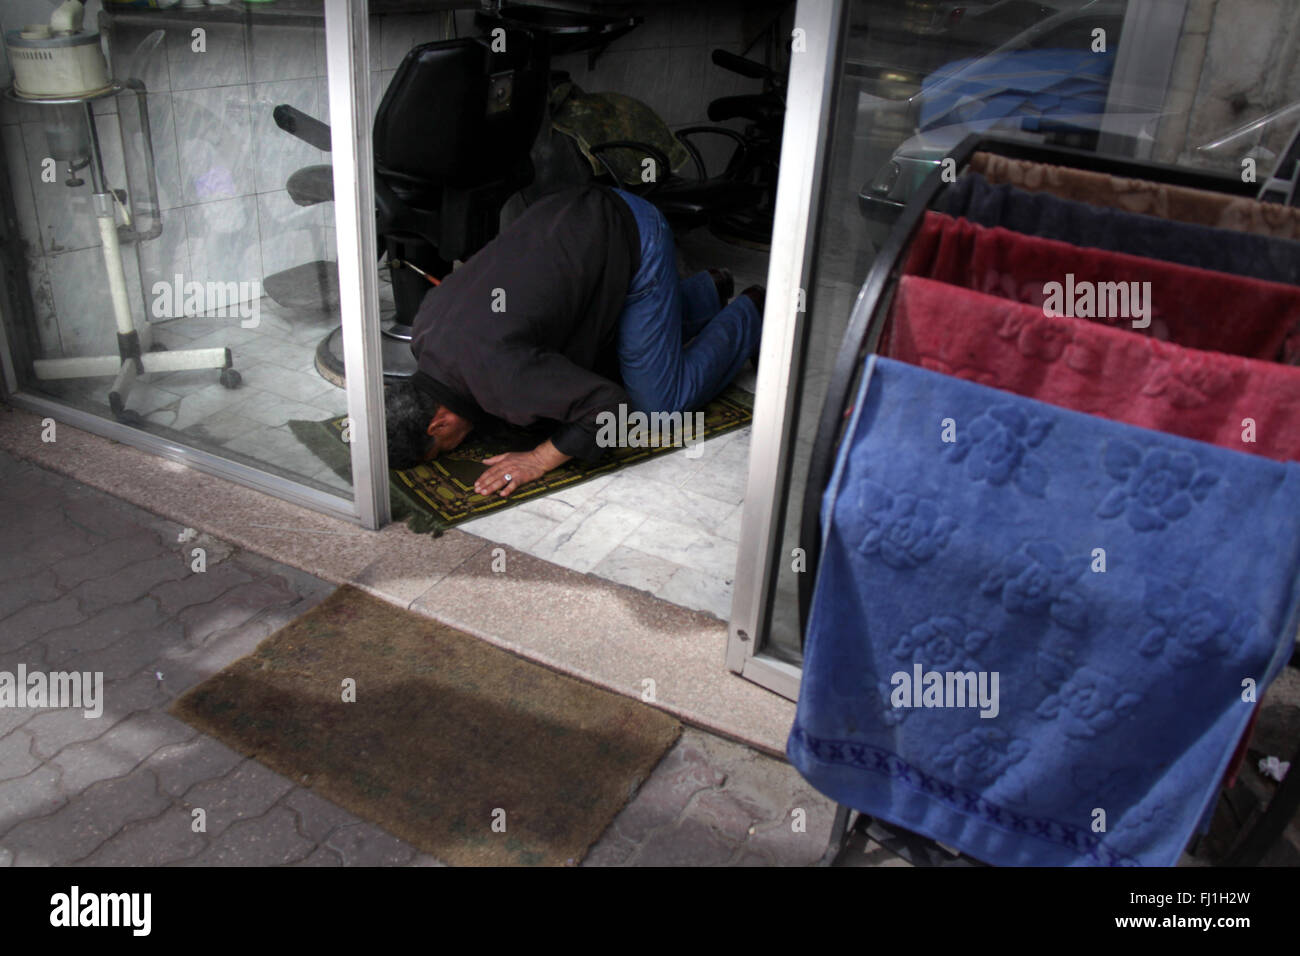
439	494
468	752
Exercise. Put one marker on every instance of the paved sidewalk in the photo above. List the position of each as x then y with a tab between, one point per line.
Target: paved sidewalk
90	582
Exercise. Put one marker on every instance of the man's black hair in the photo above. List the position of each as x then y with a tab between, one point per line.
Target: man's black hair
406	419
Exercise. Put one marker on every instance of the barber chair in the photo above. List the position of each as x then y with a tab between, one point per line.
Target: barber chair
737	202
686	202
452	138
756	162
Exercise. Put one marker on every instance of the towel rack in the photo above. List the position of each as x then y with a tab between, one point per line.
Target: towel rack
862	337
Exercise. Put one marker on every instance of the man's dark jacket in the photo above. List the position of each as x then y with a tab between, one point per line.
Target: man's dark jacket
526	330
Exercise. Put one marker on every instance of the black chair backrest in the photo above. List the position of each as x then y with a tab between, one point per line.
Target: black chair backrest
458	114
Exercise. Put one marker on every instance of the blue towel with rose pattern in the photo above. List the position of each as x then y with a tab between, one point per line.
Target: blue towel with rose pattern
1036	634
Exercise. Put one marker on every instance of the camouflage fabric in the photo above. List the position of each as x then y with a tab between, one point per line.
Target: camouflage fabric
593	118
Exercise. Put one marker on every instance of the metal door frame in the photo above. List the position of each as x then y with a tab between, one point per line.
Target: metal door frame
814	80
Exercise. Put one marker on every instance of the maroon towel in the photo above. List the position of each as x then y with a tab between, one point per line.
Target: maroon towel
1197	308
1222	399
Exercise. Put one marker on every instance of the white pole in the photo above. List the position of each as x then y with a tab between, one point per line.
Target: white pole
113	262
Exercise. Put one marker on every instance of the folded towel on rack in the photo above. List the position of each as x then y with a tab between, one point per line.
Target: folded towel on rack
1041	214
973	674
1198	206
1229	401
1226	400
1193	307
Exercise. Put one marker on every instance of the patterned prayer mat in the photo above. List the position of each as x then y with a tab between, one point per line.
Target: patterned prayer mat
433	497
470	753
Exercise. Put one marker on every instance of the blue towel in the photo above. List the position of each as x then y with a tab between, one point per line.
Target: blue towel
1119	692
1048	216
1069	86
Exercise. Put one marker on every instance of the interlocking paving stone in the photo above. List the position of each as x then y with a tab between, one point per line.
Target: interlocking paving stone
50	542
105	519
86	821
136	652
106	586
179	767
264	623
199	587
37	587
24	493
168	838
690	842
37	620
317	817
117	752
613	849
101	560
16	758
101	630
364	844
52	730
13	718
726	813
268	840
790	847
141	691
234	608
321	856
127	583
683	772
741	799
247	791
183	666
32	795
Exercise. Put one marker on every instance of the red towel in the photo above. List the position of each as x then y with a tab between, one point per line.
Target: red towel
1102	371
1193	307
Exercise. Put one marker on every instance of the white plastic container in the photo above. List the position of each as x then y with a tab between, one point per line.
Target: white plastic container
56	67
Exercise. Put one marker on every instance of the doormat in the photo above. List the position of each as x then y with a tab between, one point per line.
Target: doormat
471	753
436	495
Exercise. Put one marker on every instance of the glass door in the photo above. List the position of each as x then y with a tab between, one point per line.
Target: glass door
884	90
188	226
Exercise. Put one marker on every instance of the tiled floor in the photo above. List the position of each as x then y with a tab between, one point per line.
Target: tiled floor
280	382
669	526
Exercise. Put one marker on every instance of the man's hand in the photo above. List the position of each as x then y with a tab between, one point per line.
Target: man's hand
521	467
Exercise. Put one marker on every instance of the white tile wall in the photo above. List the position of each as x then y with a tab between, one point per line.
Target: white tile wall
666	62
220	59
277	154
222	163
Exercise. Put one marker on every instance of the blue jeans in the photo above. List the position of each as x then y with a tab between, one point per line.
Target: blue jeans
677	346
